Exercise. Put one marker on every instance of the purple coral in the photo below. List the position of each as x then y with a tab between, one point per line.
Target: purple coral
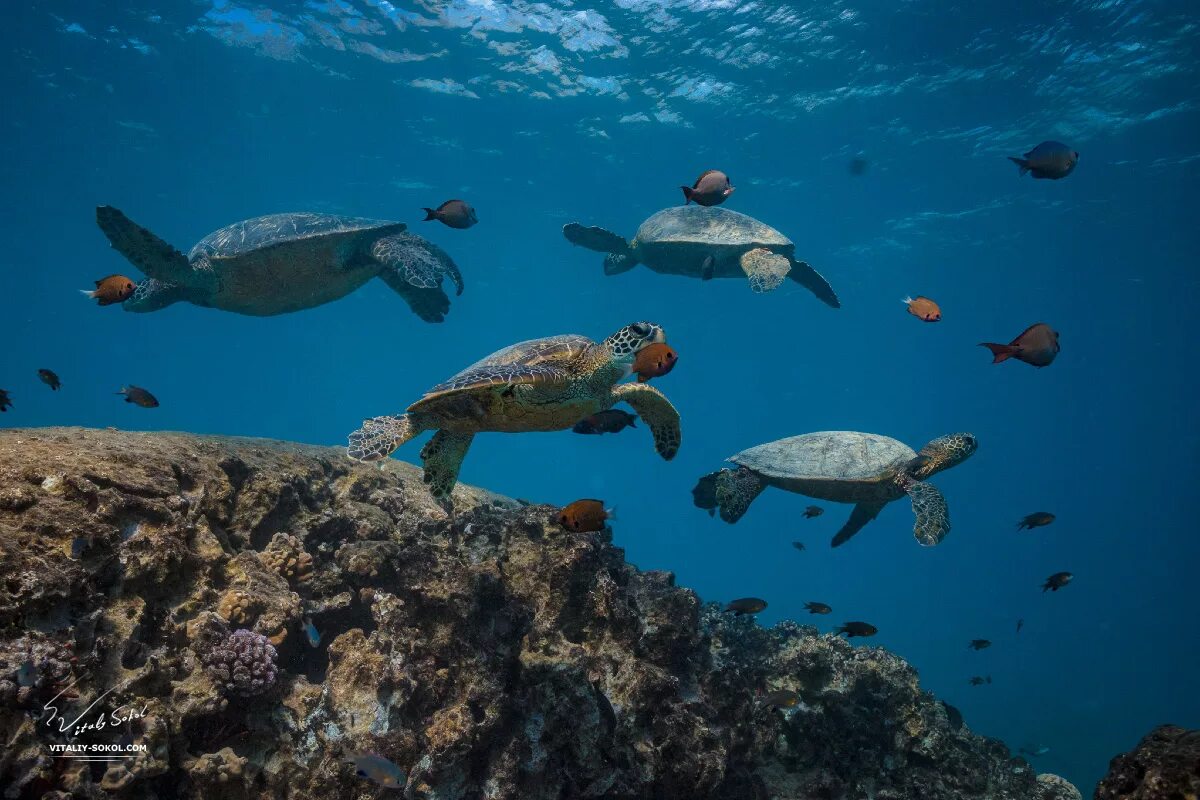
243	663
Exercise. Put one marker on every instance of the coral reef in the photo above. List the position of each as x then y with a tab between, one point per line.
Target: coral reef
485	651
1164	766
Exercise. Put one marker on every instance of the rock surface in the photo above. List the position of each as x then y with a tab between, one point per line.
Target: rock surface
489	654
1164	766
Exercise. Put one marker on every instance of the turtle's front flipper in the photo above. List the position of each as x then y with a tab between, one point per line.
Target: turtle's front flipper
656	411
933	515
443	456
733	490
144	250
860	516
810	279
766	270
379	437
414	268
151	295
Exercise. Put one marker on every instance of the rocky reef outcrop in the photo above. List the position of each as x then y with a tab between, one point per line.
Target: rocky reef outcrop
246	616
1164	766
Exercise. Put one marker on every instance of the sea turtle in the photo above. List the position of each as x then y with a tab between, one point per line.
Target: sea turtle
283	262
540	385
705	243
846	467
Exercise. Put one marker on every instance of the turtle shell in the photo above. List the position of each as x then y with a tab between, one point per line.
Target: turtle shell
534	361
832	458
246	237
679	239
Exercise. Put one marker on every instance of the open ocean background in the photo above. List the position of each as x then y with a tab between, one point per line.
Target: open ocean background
192	115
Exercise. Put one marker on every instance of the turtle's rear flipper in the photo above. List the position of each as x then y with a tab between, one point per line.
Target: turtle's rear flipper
657	412
443	456
379	437
810	279
933	515
430	304
860	516
144	250
766	270
620	256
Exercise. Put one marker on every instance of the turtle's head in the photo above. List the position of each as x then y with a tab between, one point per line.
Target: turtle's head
942	453
151	295
625	343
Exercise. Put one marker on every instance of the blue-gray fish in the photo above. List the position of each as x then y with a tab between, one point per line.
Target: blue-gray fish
311	633
1052	160
378	769
27	673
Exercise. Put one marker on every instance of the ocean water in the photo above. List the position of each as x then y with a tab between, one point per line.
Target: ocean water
192	115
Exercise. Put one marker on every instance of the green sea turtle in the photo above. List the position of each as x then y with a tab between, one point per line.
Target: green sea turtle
846	467
706	243
283	262
540	385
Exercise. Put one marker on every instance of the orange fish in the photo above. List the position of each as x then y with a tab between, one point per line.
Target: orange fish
585	515
1037	345
923	308
110	290
653	361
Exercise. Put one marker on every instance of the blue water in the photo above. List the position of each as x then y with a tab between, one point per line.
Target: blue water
189	116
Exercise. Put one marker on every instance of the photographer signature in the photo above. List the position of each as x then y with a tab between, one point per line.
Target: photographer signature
113	719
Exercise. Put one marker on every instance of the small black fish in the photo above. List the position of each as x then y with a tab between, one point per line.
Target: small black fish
979	644
5	402
978	681
612	421
817	608
1020	624
746	605
858	166
139	397
953	715
49	378
813	511
852	629
780	698
1051	160
798	545
1057	581
1035	520
453	213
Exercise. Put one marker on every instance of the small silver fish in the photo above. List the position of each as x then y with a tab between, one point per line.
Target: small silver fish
311	633
378	769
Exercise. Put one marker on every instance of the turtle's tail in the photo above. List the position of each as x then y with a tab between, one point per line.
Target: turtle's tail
379	437
730	491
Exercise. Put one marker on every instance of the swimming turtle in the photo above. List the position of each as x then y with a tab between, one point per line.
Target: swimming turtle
846	467
283	262
539	385
705	243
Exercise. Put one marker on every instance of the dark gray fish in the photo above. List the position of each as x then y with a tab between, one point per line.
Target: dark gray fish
79	546
1034	750
799	545
858	166
979	644
978	681
781	698
27	673
710	189
813	511
953	715
1035	520
1052	160
1020	624
49	378
1037	345
817	608
139	397
852	629
454	213
613	420
1057	581
5	401
746	605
